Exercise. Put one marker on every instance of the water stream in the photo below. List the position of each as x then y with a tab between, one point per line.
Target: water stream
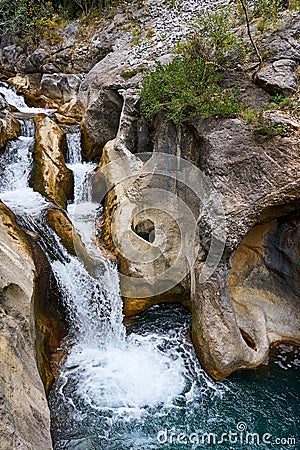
139	386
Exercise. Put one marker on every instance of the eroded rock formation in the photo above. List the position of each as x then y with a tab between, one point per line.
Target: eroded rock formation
50	175
28	426
9	126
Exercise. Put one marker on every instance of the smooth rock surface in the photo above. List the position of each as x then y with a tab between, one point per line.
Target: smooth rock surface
9	125
50	176
24	413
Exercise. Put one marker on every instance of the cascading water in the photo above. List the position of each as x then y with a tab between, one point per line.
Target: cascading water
18	101
83	211
140	387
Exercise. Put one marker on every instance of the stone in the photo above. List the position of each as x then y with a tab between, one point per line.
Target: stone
60	86
100	122
282	118
124	215
50	175
10	55
24	413
49	317
35	61
229	332
9	125
61	224
278	77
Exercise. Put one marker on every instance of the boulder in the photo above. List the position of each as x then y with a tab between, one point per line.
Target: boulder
100	102
50	175
49	316
137	227
278	77
35	61
24	413
282	50
12	58
61	224
243	307
100	123
9	125
60	87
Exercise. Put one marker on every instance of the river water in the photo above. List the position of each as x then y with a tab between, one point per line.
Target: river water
139	385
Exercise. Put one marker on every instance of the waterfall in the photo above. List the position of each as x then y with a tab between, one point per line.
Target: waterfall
83	212
13	99
15	168
106	368
139	387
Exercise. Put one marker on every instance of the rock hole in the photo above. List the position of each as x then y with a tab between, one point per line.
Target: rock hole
146	230
248	339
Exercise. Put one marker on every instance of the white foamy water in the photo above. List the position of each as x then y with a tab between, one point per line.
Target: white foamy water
83	212
108	371
130	376
14	189
13	99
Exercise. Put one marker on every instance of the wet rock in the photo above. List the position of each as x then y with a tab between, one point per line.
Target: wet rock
49	316
24	413
60	223
9	125
50	175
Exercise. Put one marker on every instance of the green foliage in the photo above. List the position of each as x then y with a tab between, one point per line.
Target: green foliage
249	116
264	129
216	29
35	16
23	15
282	103
185	88
269	9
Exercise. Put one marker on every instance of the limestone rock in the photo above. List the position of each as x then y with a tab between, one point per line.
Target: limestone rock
282	48
143	280
245	306
60	223
24	413
61	87
50	175
234	325
100	100
12	58
282	118
9	125
35	61
279	76
49	316
100	123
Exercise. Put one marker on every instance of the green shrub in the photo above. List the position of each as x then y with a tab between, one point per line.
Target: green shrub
185	88
268	9
264	129
216	27
22	15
